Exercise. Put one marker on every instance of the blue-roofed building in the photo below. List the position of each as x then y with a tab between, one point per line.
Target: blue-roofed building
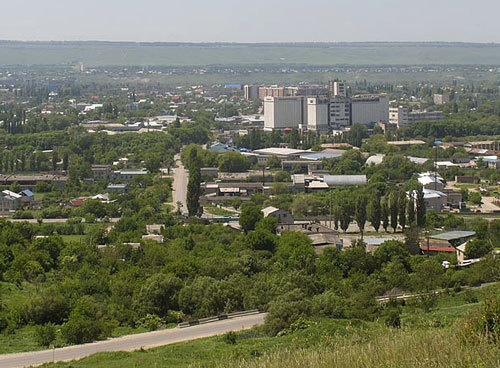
318	156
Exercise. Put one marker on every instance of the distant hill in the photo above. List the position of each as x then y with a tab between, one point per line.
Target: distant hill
95	53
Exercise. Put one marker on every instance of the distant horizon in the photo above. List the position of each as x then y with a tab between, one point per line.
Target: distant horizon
441	42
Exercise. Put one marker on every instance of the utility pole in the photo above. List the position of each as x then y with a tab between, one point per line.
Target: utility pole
331	204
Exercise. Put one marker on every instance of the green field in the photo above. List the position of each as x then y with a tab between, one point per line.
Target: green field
109	53
426	339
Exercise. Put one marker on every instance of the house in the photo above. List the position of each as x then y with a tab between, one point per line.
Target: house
373	242
466	180
101	172
303	166
209	171
9	201
154	229
455	238
326	240
434	199
492	162
30	181
431	181
27	196
117	188
219	148
128	175
435	247
154	237
283	217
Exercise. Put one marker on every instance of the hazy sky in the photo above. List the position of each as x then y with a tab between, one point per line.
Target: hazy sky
251	20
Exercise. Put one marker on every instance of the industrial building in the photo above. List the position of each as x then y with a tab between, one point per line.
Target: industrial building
285	112
369	109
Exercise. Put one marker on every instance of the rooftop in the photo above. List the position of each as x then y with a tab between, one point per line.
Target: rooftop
268	210
333	180
279	151
454	235
320	155
406	143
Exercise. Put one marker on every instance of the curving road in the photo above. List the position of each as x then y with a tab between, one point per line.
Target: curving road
131	342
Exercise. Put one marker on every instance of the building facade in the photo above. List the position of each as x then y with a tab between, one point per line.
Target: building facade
369	109
284	112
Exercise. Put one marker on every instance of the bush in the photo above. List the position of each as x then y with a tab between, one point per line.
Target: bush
470	297
81	329
230	338
86	322
392	317
330	305
151	322
286	310
483	323
45	334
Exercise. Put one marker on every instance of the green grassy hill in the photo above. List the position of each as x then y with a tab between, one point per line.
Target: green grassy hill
427	338
120	53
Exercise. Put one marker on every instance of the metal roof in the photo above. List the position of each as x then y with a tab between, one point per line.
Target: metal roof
279	151
320	155
269	210
333	180
376	240
453	235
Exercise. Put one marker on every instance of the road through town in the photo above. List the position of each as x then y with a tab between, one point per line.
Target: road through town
131	342
179	192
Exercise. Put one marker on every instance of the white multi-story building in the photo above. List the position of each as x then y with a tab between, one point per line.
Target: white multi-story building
369	109
284	112
317	114
398	114
338	88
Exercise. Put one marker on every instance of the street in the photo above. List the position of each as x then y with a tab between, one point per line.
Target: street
131	342
179	188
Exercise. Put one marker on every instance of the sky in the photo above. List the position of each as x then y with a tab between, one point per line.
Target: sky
251	21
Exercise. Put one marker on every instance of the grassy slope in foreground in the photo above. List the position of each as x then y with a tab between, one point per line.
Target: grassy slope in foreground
105	54
425	340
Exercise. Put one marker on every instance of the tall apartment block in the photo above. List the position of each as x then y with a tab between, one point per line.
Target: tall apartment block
251	92
337	88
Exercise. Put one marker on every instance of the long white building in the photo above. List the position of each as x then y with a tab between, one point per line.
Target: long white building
400	115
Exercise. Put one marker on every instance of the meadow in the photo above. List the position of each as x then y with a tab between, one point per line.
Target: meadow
427	338
161	54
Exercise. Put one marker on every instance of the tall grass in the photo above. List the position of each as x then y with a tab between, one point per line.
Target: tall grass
430	348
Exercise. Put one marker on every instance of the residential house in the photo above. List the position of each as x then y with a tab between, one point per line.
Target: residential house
283	217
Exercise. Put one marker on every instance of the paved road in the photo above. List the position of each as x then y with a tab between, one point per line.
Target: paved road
180	185
385	299
131	342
